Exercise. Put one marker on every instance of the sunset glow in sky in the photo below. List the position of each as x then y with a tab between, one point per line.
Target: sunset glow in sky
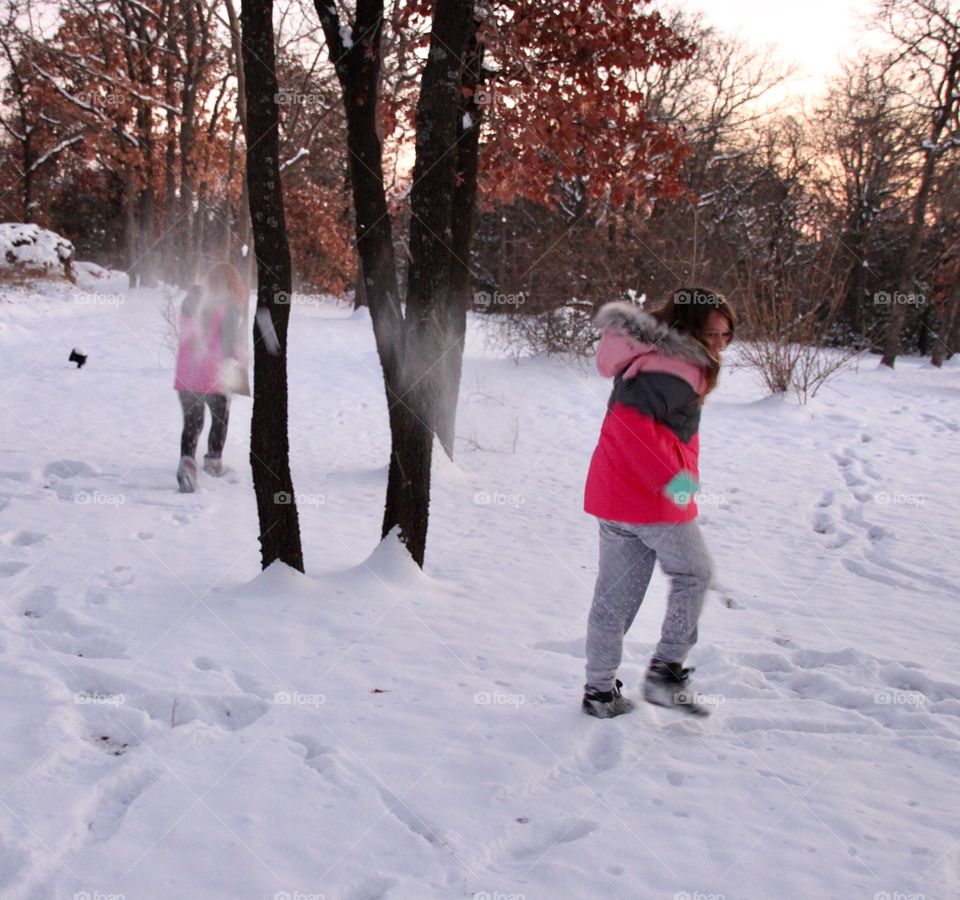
814	34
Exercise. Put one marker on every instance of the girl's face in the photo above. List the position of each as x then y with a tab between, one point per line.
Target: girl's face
716	333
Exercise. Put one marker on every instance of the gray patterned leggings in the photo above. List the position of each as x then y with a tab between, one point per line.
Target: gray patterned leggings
627	557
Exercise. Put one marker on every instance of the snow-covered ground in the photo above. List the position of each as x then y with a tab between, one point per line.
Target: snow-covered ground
176	724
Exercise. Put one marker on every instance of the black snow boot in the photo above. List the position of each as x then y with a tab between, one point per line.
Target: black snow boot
668	684
606	704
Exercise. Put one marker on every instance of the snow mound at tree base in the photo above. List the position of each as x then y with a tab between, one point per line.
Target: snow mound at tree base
30	250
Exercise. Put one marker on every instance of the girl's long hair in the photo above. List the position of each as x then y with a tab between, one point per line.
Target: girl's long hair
687	311
224	282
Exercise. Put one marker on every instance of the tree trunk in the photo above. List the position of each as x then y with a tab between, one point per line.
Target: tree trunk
408	347
186	220
941	343
907	264
27	211
269	440
244	255
169	240
130	226
427	337
943	116
464	204
358	71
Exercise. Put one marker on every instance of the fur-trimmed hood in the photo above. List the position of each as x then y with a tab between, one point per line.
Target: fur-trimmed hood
633	322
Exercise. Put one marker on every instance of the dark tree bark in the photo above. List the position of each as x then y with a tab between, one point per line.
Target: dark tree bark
464	205
269	441
942	348
427	339
410	347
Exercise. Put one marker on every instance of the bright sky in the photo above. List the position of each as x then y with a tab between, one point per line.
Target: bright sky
814	34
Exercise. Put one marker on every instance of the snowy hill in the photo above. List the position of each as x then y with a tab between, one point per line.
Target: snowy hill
178	724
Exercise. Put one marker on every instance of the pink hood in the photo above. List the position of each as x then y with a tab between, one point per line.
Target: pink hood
634	341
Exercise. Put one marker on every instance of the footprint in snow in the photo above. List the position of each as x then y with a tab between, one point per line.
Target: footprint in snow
823	523
248	684
59	630
531	843
17	477
409	818
319	758
9	569
22	538
170	709
119	577
601	752
68	468
115	797
605	750
36	602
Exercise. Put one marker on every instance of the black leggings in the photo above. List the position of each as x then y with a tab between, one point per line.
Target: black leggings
193	422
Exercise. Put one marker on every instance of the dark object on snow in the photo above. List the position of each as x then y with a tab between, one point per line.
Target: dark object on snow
78	358
668	684
606	704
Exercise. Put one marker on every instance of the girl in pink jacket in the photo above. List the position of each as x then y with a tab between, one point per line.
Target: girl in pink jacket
641	486
211	365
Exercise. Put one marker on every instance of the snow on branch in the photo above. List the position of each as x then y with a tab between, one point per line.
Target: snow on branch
77	101
53	151
300	154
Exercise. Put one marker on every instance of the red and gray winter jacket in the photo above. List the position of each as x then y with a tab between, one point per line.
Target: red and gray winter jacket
645	467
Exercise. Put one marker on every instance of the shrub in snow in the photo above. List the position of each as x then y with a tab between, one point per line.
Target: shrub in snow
567	328
32	250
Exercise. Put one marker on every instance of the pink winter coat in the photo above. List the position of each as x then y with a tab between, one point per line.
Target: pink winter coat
210	355
645	467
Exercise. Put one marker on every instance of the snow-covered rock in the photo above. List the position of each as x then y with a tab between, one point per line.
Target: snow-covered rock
32	248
